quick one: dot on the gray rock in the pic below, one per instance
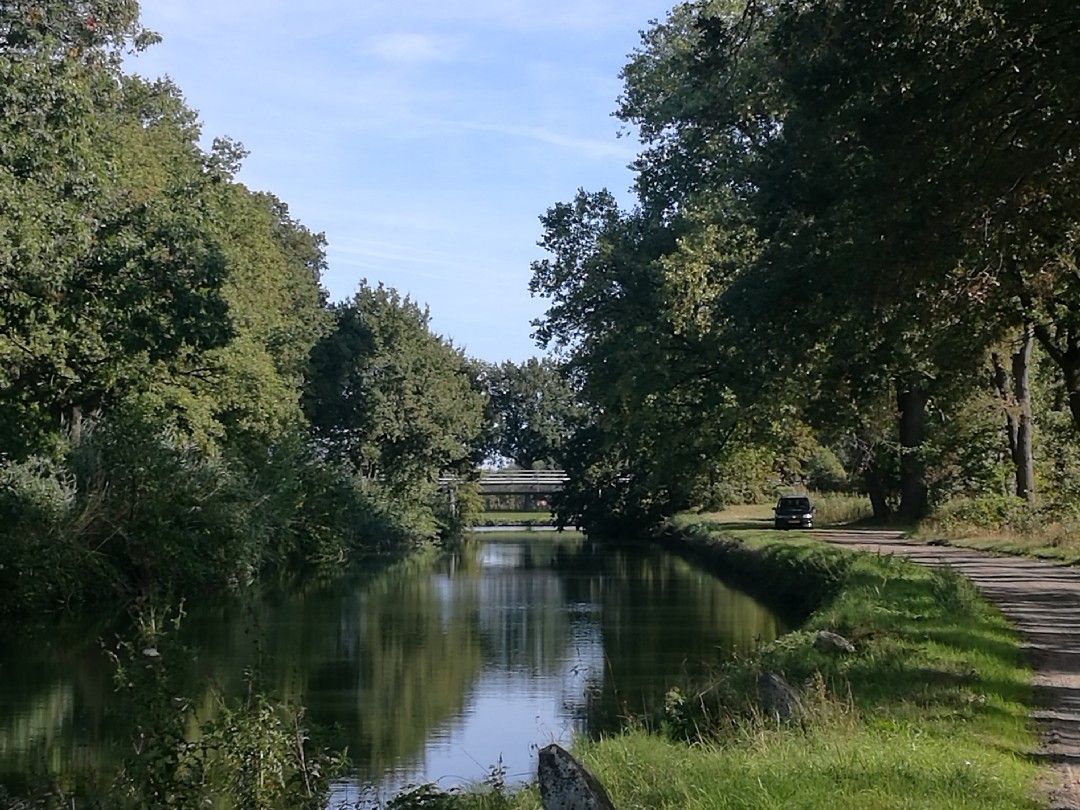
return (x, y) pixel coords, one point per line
(565, 784)
(778, 698)
(827, 642)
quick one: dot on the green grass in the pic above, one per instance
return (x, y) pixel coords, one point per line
(930, 712)
(1054, 543)
(1004, 524)
(1019, 545)
(538, 518)
(830, 509)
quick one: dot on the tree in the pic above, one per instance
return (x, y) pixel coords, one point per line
(650, 376)
(533, 411)
(108, 266)
(848, 148)
(247, 393)
(395, 400)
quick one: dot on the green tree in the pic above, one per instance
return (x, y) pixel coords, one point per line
(247, 393)
(394, 399)
(657, 406)
(533, 410)
(108, 267)
(849, 153)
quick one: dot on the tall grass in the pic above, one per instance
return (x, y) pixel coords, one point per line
(840, 509)
(1006, 524)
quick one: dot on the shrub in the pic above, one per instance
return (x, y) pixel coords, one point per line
(253, 752)
(160, 511)
(40, 563)
(135, 509)
(996, 512)
(824, 472)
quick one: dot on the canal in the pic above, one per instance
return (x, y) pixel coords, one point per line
(434, 669)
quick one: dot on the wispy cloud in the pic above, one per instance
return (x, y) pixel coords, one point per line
(381, 254)
(413, 48)
(424, 137)
(589, 147)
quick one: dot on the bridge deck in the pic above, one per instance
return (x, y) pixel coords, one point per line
(516, 482)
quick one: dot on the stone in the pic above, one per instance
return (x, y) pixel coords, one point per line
(827, 642)
(779, 698)
(565, 784)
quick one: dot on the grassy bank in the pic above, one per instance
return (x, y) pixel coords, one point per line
(1042, 546)
(541, 518)
(930, 711)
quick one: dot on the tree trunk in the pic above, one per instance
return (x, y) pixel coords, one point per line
(1004, 389)
(1023, 457)
(914, 496)
(1016, 401)
(1070, 367)
(75, 425)
(875, 488)
(1064, 349)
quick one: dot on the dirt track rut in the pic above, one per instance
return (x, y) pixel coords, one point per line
(1042, 600)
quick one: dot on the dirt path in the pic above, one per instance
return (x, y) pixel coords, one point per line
(1042, 600)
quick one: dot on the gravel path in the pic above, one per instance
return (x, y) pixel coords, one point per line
(1042, 600)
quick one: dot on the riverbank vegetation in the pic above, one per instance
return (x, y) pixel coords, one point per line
(851, 260)
(181, 409)
(1005, 525)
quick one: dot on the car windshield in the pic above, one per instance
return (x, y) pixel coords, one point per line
(794, 503)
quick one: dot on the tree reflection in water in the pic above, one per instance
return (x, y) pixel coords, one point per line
(429, 670)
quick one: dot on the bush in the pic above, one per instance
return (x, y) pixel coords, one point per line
(315, 510)
(1008, 524)
(134, 510)
(995, 512)
(824, 472)
(160, 511)
(746, 475)
(253, 752)
(40, 562)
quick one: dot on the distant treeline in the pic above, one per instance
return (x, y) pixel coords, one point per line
(180, 407)
(854, 254)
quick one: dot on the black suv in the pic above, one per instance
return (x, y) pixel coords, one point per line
(794, 511)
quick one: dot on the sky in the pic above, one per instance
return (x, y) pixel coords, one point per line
(423, 137)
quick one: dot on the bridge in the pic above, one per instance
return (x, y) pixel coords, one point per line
(516, 482)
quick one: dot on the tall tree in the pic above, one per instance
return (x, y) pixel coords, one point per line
(533, 411)
(394, 399)
(852, 150)
(108, 266)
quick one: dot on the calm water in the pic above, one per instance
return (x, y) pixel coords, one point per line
(430, 670)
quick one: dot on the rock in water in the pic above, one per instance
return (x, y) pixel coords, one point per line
(778, 698)
(565, 784)
(827, 642)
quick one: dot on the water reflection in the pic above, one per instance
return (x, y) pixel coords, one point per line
(428, 670)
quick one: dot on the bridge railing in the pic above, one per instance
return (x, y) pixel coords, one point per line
(515, 482)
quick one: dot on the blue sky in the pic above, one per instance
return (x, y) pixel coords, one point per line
(423, 137)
